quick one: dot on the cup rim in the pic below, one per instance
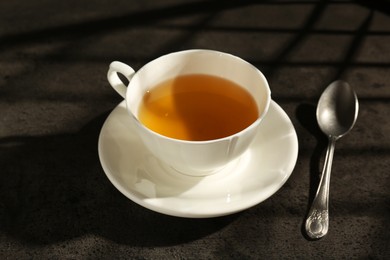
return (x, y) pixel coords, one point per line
(253, 125)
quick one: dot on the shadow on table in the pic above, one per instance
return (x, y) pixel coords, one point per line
(378, 5)
(52, 188)
(306, 114)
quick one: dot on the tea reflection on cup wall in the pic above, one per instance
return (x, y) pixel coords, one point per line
(195, 110)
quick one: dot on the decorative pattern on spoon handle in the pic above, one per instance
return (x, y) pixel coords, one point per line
(317, 223)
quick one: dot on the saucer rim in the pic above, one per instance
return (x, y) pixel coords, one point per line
(215, 212)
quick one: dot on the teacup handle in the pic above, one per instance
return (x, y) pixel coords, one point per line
(112, 76)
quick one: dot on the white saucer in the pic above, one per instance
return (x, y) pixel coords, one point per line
(257, 175)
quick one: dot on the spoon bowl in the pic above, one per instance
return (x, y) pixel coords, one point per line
(337, 112)
(337, 109)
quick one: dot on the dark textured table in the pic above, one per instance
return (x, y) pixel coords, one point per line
(57, 203)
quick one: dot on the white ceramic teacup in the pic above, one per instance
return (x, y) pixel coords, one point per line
(197, 158)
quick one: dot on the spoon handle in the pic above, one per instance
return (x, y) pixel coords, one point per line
(317, 222)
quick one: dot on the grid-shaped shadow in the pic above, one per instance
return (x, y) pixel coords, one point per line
(36, 228)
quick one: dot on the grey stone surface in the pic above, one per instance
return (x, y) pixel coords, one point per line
(57, 203)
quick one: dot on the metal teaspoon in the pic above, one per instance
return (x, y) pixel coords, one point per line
(337, 111)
